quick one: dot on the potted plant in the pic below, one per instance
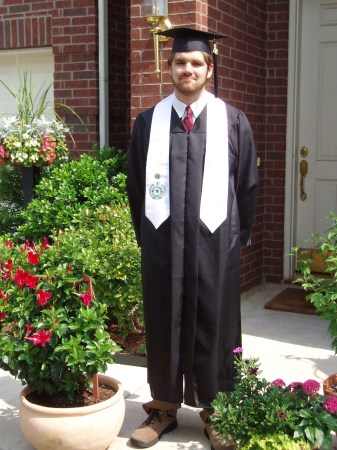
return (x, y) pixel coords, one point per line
(41, 141)
(258, 414)
(36, 135)
(53, 338)
(322, 288)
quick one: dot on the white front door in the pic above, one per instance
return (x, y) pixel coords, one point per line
(314, 140)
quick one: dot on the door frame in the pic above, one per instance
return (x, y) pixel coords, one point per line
(291, 139)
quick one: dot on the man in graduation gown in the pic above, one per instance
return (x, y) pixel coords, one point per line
(192, 184)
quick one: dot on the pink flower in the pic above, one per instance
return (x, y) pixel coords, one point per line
(40, 338)
(42, 297)
(238, 351)
(278, 382)
(295, 384)
(310, 387)
(86, 298)
(282, 415)
(330, 404)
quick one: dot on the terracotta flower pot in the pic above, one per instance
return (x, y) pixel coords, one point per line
(80, 428)
(327, 383)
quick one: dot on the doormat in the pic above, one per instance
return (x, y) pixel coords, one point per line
(291, 300)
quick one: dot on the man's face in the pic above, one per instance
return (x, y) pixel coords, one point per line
(189, 72)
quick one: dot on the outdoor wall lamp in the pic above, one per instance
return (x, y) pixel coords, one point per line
(156, 12)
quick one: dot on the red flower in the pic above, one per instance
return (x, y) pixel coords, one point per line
(9, 244)
(29, 247)
(9, 265)
(42, 297)
(25, 279)
(31, 281)
(33, 258)
(45, 244)
(2, 316)
(30, 329)
(4, 296)
(86, 298)
(40, 338)
(5, 276)
(20, 277)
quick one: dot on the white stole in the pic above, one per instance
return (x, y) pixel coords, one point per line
(213, 207)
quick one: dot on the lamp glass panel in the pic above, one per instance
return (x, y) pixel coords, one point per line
(155, 8)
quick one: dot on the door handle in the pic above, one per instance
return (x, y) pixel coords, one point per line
(303, 173)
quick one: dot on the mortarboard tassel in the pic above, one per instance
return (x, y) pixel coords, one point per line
(215, 68)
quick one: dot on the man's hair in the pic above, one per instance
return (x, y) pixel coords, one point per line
(207, 57)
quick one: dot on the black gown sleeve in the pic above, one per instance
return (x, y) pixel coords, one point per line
(137, 168)
(246, 176)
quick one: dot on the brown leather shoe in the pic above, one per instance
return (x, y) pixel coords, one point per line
(150, 431)
(214, 437)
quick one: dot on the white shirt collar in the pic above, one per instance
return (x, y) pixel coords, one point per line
(196, 107)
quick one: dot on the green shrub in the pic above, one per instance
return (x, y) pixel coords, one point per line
(322, 288)
(83, 206)
(88, 182)
(103, 240)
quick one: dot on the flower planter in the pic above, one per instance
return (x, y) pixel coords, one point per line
(327, 383)
(81, 428)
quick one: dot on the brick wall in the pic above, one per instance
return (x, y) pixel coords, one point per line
(275, 136)
(70, 27)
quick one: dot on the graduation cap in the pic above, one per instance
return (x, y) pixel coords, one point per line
(190, 40)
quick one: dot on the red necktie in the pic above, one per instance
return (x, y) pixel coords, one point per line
(188, 120)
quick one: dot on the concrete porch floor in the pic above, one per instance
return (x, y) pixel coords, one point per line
(291, 346)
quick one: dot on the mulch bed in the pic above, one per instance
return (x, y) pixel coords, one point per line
(133, 344)
(60, 400)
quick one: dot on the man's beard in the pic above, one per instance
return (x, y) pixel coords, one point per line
(188, 89)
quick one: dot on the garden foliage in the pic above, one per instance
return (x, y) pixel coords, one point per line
(256, 410)
(82, 205)
(322, 288)
(53, 327)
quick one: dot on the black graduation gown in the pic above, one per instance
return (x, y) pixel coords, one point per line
(191, 278)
